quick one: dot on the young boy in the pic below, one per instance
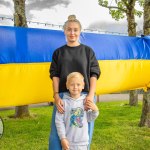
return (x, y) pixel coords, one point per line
(72, 126)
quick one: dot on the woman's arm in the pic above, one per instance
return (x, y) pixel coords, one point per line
(92, 87)
(90, 96)
(94, 75)
(58, 101)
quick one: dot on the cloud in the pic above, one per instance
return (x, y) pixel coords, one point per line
(38, 4)
(115, 27)
(32, 5)
(42, 4)
(109, 26)
(5, 3)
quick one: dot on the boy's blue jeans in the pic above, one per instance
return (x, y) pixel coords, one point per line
(54, 141)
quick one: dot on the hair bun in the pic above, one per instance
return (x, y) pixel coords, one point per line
(71, 17)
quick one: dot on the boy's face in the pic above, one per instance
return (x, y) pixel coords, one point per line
(75, 87)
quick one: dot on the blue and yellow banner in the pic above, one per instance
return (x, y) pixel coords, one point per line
(26, 54)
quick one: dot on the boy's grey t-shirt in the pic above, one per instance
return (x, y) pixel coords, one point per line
(73, 124)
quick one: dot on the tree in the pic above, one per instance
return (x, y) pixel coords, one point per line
(145, 116)
(20, 21)
(126, 8)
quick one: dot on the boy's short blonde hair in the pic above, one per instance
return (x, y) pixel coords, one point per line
(74, 75)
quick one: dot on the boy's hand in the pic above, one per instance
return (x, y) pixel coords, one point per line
(65, 144)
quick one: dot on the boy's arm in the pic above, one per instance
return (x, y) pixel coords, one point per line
(60, 125)
(92, 112)
(92, 115)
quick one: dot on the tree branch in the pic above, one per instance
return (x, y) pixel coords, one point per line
(115, 7)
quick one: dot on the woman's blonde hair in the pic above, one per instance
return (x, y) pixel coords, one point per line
(74, 75)
(72, 18)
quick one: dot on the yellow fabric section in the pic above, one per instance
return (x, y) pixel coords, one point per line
(121, 75)
(22, 84)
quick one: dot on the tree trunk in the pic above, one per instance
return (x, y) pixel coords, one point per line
(133, 95)
(133, 98)
(145, 116)
(20, 21)
(22, 111)
(19, 15)
(146, 26)
(131, 18)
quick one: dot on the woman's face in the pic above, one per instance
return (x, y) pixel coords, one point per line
(72, 32)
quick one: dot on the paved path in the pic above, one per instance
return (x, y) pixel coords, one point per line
(116, 97)
(101, 98)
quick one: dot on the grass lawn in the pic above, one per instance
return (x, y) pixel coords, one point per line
(115, 129)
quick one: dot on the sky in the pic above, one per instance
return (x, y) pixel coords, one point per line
(90, 14)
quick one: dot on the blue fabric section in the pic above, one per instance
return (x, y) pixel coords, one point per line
(111, 47)
(30, 45)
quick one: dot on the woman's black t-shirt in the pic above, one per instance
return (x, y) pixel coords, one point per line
(74, 59)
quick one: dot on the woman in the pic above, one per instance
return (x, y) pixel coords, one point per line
(71, 57)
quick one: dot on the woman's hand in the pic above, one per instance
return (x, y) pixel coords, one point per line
(91, 105)
(88, 99)
(59, 103)
(65, 144)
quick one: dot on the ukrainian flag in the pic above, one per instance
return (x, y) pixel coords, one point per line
(26, 55)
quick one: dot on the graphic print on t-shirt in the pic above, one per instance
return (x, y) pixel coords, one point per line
(76, 117)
